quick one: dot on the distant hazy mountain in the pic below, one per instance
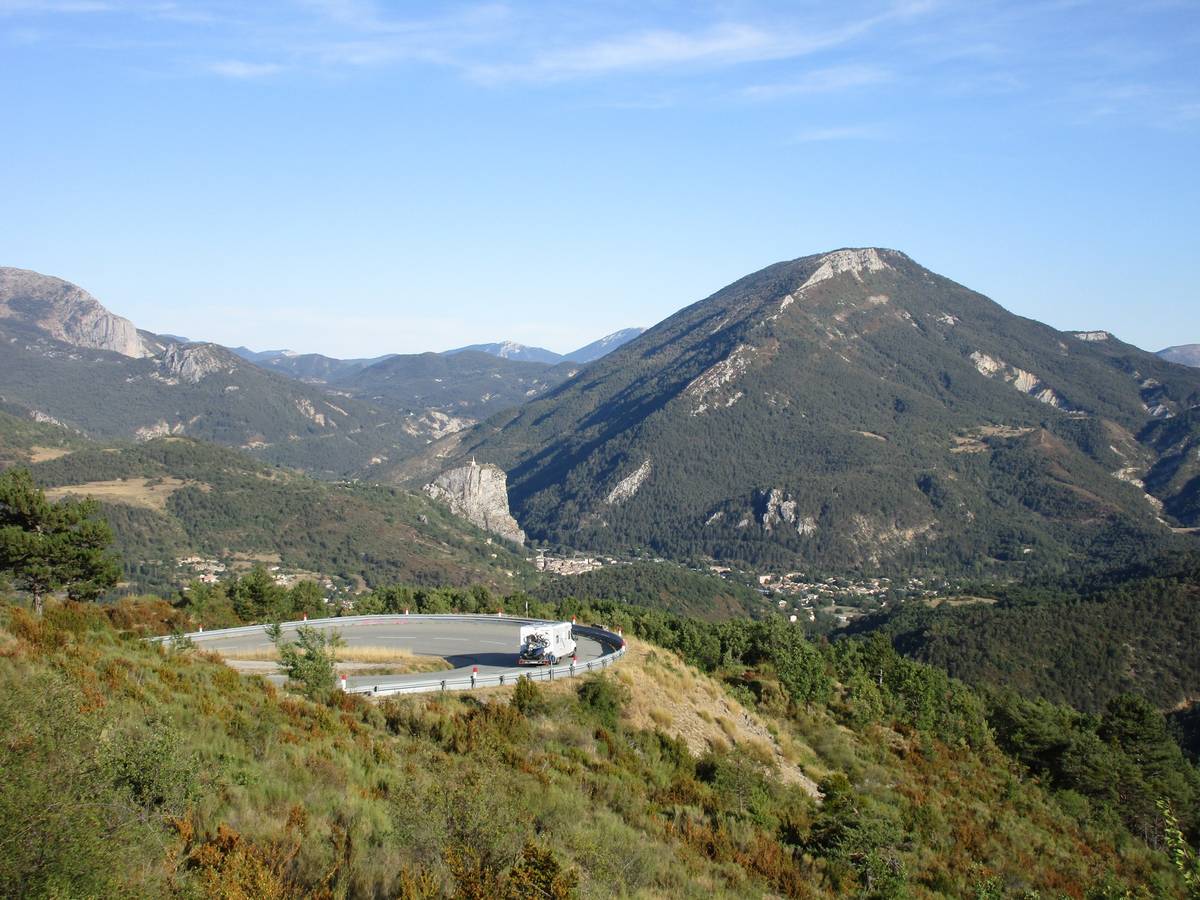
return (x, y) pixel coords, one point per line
(1185, 354)
(452, 391)
(521, 353)
(854, 410)
(511, 350)
(604, 346)
(311, 367)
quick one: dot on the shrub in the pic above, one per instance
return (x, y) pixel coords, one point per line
(604, 699)
(309, 660)
(528, 698)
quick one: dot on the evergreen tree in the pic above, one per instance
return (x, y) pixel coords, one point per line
(47, 547)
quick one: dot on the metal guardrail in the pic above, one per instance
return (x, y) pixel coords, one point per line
(612, 642)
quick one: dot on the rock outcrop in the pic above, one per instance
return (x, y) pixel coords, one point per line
(628, 486)
(67, 313)
(192, 362)
(478, 493)
(778, 508)
(1023, 381)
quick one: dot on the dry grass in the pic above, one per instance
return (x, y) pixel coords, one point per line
(935, 602)
(668, 694)
(395, 660)
(45, 454)
(679, 700)
(148, 493)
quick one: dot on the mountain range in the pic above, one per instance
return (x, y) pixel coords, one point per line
(850, 410)
(854, 410)
(70, 360)
(319, 369)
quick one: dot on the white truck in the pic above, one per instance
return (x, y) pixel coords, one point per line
(545, 644)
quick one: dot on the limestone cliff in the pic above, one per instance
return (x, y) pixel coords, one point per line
(478, 493)
(67, 313)
(192, 362)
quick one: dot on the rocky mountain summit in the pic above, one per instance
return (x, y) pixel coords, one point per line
(850, 409)
(479, 494)
(68, 314)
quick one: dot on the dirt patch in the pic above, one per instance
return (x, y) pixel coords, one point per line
(147, 493)
(244, 562)
(975, 440)
(935, 602)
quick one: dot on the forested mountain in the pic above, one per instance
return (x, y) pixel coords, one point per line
(170, 498)
(1081, 642)
(854, 409)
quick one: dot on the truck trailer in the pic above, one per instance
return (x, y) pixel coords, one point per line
(545, 644)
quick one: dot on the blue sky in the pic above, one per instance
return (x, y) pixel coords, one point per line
(356, 178)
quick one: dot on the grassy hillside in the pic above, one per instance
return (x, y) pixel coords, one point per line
(137, 770)
(174, 497)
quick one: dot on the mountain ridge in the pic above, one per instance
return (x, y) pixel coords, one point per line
(876, 413)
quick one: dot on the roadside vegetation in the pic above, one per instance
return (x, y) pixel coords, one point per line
(718, 759)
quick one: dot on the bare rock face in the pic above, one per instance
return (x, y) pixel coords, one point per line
(778, 508)
(192, 362)
(480, 495)
(67, 313)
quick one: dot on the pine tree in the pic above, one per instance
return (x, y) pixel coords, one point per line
(47, 547)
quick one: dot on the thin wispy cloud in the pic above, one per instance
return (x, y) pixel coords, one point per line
(717, 45)
(821, 81)
(52, 7)
(750, 50)
(240, 69)
(839, 133)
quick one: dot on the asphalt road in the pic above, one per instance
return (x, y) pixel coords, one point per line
(491, 645)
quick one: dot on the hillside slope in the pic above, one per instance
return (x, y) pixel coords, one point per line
(181, 778)
(853, 409)
(172, 498)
